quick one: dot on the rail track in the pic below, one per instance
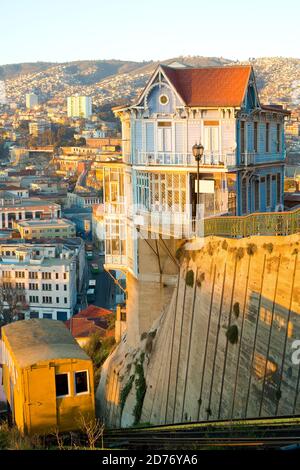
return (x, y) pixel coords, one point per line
(265, 433)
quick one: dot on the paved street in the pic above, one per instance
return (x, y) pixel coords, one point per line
(105, 287)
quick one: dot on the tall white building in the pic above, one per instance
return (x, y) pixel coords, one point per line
(43, 275)
(79, 106)
(32, 100)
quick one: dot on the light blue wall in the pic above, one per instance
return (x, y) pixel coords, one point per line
(154, 104)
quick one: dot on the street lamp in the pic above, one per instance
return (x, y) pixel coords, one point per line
(198, 151)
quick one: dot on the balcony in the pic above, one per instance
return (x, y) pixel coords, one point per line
(254, 158)
(226, 160)
(118, 262)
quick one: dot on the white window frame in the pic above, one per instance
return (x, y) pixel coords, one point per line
(88, 382)
(69, 385)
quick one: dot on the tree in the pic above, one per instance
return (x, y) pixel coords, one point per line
(12, 303)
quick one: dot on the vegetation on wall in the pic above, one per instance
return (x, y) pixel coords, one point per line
(125, 392)
(189, 280)
(236, 309)
(232, 334)
(98, 349)
(141, 387)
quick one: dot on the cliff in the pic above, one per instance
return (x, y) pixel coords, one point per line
(222, 347)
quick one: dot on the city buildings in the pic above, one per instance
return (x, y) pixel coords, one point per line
(38, 127)
(79, 106)
(12, 210)
(45, 228)
(32, 100)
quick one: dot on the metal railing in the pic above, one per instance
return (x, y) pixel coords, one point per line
(263, 223)
(184, 159)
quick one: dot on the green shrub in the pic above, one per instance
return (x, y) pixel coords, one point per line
(189, 280)
(232, 334)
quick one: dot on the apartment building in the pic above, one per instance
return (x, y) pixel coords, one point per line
(43, 275)
(32, 100)
(45, 228)
(79, 106)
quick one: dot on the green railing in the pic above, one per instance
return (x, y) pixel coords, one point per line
(263, 223)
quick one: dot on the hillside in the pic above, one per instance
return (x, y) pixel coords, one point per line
(115, 81)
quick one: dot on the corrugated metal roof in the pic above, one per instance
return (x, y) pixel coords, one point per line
(37, 340)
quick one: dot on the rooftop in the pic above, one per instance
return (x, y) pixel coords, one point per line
(211, 86)
(45, 223)
(37, 340)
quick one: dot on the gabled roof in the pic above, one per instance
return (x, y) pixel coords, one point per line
(210, 86)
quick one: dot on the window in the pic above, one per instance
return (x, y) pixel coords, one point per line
(47, 300)
(62, 316)
(33, 286)
(278, 138)
(163, 99)
(20, 274)
(65, 287)
(47, 315)
(256, 195)
(65, 275)
(255, 137)
(81, 382)
(34, 315)
(33, 299)
(20, 285)
(267, 137)
(57, 286)
(62, 385)
(46, 286)
(244, 196)
(56, 276)
(278, 195)
(65, 300)
(243, 135)
(33, 275)
(268, 195)
(46, 275)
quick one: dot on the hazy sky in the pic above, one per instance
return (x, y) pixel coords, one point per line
(64, 30)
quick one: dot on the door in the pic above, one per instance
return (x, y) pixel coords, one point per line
(41, 400)
(164, 141)
(211, 142)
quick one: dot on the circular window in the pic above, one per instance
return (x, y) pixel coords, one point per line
(163, 99)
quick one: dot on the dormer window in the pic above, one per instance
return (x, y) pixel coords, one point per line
(163, 99)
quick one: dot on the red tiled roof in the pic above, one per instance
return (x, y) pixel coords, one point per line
(211, 86)
(82, 327)
(92, 311)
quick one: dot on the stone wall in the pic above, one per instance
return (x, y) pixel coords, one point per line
(222, 347)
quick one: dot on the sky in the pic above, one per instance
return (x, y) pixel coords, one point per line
(66, 30)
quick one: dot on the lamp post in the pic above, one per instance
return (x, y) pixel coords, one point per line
(198, 151)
